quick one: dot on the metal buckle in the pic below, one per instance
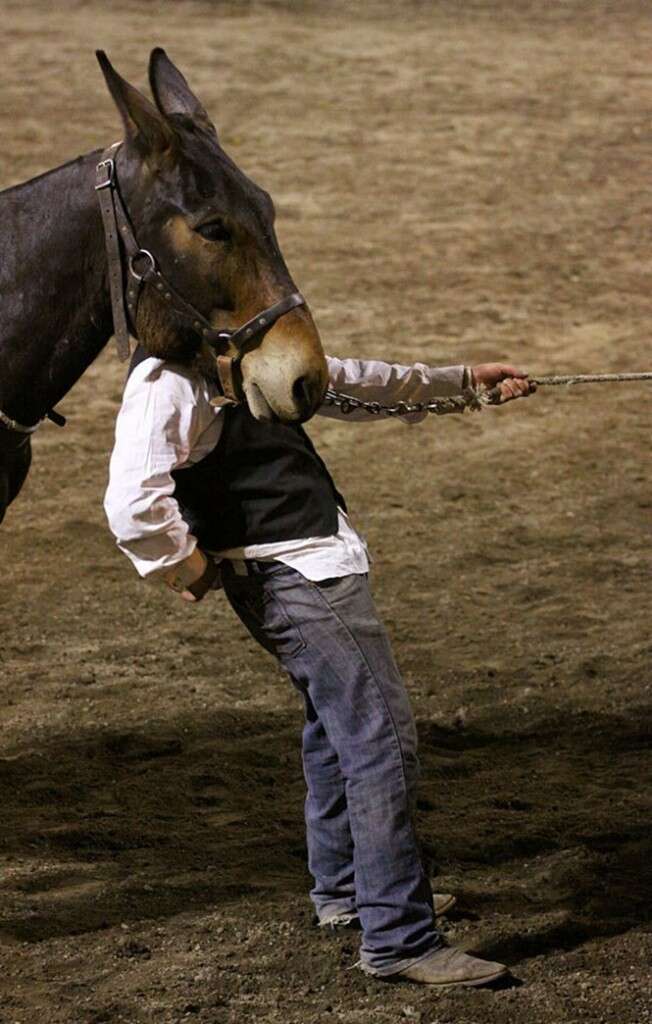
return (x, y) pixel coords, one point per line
(223, 335)
(109, 163)
(142, 253)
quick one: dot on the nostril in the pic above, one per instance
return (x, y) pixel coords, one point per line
(301, 391)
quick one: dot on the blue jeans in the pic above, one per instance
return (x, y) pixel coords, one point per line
(359, 754)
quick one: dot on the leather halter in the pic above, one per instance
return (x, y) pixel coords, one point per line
(14, 427)
(123, 251)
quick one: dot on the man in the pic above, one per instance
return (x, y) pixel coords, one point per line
(192, 485)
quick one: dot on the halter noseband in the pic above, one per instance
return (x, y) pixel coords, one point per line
(142, 268)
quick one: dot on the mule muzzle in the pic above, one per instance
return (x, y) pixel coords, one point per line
(277, 366)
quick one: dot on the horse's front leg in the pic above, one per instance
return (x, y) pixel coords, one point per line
(15, 460)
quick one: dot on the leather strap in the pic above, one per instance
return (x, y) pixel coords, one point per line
(261, 322)
(225, 368)
(21, 428)
(105, 186)
(141, 268)
(15, 426)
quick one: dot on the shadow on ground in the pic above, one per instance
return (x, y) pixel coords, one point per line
(546, 823)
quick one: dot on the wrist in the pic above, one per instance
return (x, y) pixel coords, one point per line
(186, 572)
(210, 579)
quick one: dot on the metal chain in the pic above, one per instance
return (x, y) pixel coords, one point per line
(468, 399)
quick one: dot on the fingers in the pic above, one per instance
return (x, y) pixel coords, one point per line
(515, 387)
(491, 374)
(510, 389)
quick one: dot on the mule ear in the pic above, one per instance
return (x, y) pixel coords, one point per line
(143, 123)
(171, 92)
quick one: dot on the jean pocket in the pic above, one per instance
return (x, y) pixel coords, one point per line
(337, 589)
(267, 619)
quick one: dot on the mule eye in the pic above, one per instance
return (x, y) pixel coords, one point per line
(215, 231)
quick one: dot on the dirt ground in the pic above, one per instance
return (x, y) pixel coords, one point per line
(454, 182)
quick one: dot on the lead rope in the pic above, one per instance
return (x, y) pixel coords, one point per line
(470, 398)
(590, 378)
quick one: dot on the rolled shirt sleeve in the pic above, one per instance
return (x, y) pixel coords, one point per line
(162, 425)
(372, 380)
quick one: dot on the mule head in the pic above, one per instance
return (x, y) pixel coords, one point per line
(211, 230)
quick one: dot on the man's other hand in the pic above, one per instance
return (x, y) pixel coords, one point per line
(509, 382)
(194, 577)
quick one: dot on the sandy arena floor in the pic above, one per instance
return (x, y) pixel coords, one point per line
(454, 182)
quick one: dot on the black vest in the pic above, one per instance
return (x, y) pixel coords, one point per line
(263, 482)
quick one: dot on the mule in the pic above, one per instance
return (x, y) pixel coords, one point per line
(203, 224)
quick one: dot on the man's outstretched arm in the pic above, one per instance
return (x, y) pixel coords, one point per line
(373, 380)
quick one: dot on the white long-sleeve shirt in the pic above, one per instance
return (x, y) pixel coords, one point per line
(166, 423)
